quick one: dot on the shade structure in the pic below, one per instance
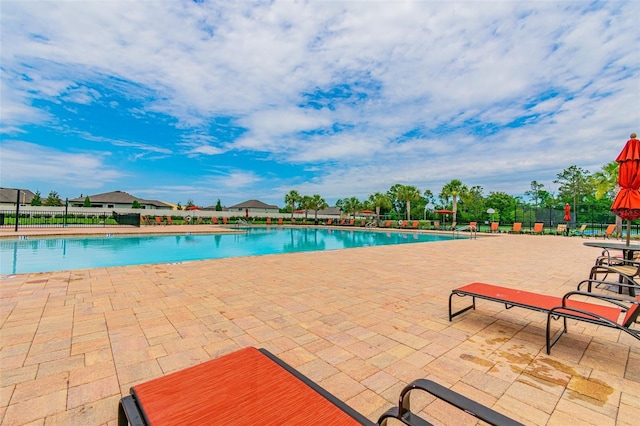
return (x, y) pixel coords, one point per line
(627, 202)
(443, 211)
(367, 212)
(567, 213)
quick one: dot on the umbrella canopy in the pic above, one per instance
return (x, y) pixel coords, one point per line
(193, 208)
(443, 211)
(367, 212)
(567, 213)
(627, 202)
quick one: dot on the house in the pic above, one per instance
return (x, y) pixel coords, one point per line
(118, 199)
(254, 206)
(9, 196)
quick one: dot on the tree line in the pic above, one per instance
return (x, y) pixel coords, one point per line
(576, 186)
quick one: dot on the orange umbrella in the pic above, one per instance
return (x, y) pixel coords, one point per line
(627, 202)
(567, 213)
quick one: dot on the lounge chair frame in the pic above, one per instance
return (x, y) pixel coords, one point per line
(557, 307)
(403, 411)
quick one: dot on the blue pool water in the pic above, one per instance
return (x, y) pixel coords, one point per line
(55, 254)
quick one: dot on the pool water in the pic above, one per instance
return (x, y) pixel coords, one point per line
(55, 254)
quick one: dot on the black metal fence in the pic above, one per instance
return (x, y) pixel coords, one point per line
(58, 219)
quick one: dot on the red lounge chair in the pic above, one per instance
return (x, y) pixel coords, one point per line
(169, 221)
(609, 231)
(280, 221)
(517, 228)
(158, 220)
(214, 220)
(225, 220)
(557, 307)
(268, 221)
(254, 387)
(538, 228)
(495, 227)
(415, 224)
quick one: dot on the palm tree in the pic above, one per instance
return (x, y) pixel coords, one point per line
(291, 199)
(351, 205)
(453, 189)
(305, 204)
(317, 203)
(379, 200)
(408, 193)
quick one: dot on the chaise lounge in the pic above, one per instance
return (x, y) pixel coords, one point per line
(253, 386)
(557, 307)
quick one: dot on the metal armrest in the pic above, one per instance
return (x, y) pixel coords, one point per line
(404, 414)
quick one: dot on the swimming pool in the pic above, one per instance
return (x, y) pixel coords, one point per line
(55, 254)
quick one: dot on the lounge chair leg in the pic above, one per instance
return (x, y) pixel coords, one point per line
(463, 310)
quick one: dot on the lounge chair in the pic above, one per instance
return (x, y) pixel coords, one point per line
(404, 223)
(225, 220)
(557, 307)
(581, 231)
(169, 221)
(436, 224)
(329, 222)
(214, 220)
(517, 228)
(538, 228)
(561, 229)
(609, 231)
(387, 224)
(253, 386)
(415, 224)
(627, 271)
(159, 220)
(473, 226)
(495, 227)
(280, 221)
(268, 221)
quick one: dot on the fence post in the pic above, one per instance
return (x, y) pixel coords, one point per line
(17, 210)
(66, 211)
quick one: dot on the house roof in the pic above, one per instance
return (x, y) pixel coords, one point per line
(253, 204)
(10, 195)
(118, 197)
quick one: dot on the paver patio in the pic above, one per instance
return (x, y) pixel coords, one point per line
(360, 322)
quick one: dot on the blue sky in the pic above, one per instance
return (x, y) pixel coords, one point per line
(238, 100)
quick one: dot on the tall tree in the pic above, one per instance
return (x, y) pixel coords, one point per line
(379, 201)
(575, 183)
(306, 204)
(535, 193)
(351, 205)
(53, 199)
(218, 205)
(472, 199)
(407, 194)
(292, 198)
(317, 203)
(453, 190)
(37, 199)
(87, 202)
(606, 184)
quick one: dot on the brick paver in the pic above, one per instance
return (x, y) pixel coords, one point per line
(360, 322)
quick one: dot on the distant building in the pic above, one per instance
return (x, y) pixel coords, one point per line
(118, 199)
(9, 196)
(254, 206)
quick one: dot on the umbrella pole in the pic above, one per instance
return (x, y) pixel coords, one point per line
(628, 231)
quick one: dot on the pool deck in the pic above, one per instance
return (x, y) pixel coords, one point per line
(360, 322)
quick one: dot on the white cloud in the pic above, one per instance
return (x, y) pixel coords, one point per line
(451, 71)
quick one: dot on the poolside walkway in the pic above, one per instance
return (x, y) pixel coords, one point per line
(360, 322)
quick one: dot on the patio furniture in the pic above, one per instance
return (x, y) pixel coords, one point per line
(538, 228)
(557, 307)
(581, 231)
(253, 386)
(626, 267)
(517, 228)
(561, 229)
(250, 386)
(403, 411)
(495, 227)
(609, 231)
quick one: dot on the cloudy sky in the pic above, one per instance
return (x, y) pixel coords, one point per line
(237, 100)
